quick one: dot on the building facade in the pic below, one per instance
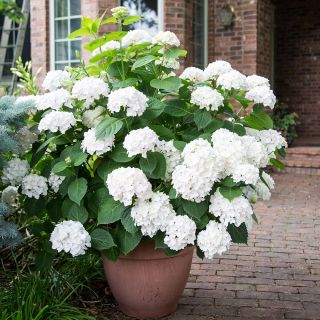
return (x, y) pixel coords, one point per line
(279, 39)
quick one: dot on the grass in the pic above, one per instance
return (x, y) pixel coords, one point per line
(34, 295)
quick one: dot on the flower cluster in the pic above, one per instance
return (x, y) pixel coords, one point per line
(153, 214)
(91, 118)
(57, 121)
(54, 100)
(54, 182)
(135, 37)
(33, 186)
(92, 145)
(15, 171)
(70, 236)
(216, 69)
(140, 141)
(166, 38)
(110, 45)
(193, 74)
(131, 99)
(126, 183)
(207, 98)
(55, 80)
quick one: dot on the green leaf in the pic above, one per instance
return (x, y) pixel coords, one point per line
(106, 167)
(120, 154)
(84, 31)
(119, 69)
(259, 121)
(202, 118)
(127, 241)
(108, 127)
(174, 53)
(78, 158)
(112, 253)
(128, 222)
(278, 164)
(37, 154)
(54, 209)
(179, 144)
(130, 20)
(109, 20)
(237, 128)
(238, 234)
(142, 61)
(195, 210)
(43, 260)
(154, 109)
(228, 182)
(172, 193)
(77, 190)
(214, 125)
(101, 239)
(154, 166)
(168, 84)
(162, 132)
(254, 217)
(125, 83)
(230, 193)
(176, 108)
(59, 167)
(242, 100)
(110, 211)
(77, 213)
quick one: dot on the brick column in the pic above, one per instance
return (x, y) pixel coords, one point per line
(40, 34)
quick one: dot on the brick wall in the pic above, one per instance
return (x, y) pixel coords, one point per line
(237, 44)
(298, 60)
(40, 34)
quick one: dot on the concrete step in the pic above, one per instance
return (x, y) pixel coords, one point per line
(303, 157)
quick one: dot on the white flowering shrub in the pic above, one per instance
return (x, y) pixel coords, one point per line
(128, 151)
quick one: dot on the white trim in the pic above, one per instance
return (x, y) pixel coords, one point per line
(160, 15)
(52, 35)
(206, 27)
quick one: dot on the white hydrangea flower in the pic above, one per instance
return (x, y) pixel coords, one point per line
(207, 98)
(236, 211)
(193, 74)
(120, 12)
(25, 137)
(216, 68)
(254, 81)
(9, 195)
(57, 121)
(131, 99)
(215, 239)
(135, 37)
(260, 190)
(166, 38)
(270, 139)
(54, 182)
(232, 80)
(71, 237)
(194, 178)
(140, 141)
(256, 153)
(153, 215)
(180, 231)
(55, 79)
(91, 118)
(125, 183)
(14, 171)
(263, 95)
(90, 89)
(33, 186)
(92, 145)
(228, 151)
(54, 100)
(170, 63)
(27, 99)
(171, 154)
(246, 173)
(110, 45)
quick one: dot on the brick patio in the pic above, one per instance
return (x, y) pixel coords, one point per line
(277, 276)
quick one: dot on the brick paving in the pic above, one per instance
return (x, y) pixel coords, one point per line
(277, 276)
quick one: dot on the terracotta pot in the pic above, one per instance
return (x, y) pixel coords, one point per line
(147, 283)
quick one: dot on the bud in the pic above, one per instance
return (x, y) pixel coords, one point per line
(120, 12)
(68, 161)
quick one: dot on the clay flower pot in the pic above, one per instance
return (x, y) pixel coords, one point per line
(147, 283)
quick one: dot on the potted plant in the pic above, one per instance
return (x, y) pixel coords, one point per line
(143, 165)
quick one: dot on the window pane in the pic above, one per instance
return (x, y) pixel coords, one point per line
(148, 10)
(60, 8)
(61, 29)
(61, 51)
(60, 66)
(198, 30)
(75, 7)
(75, 46)
(75, 24)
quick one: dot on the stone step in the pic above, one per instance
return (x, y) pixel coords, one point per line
(303, 157)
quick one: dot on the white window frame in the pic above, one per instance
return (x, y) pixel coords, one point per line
(52, 39)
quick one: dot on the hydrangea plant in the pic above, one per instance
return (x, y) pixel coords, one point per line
(129, 151)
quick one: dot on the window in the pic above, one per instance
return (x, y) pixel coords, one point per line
(151, 12)
(200, 32)
(65, 18)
